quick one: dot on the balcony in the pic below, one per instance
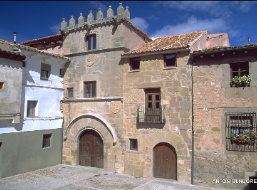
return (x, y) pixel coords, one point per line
(151, 115)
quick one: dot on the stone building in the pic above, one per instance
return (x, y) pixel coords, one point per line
(127, 98)
(31, 120)
(223, 111)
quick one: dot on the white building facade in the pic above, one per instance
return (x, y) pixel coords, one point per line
(34, 142)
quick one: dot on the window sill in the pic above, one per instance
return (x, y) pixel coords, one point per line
(45, 79)
(168, 68)
(134, 71)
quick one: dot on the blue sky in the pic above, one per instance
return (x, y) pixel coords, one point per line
(36, 19)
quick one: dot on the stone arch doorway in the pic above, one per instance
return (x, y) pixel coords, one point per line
(165, 161)
(91, 149)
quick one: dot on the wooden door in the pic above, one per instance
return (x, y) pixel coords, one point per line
(91, 149)
(165, 161)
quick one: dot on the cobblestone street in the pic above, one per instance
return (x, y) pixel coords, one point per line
(78, 177)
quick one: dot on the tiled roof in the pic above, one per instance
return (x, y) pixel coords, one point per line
(33, 49)
(53, 37)
(12, 55)
(168, 42)
(225, 48)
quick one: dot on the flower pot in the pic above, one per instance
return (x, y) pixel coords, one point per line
(232, 141)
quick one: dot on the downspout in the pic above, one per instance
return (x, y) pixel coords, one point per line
(193, 133)
(62, 140)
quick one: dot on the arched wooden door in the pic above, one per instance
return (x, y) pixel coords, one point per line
(165, 161)
(91, 149)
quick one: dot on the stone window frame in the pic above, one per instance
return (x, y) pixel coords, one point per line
(47, 138)
(242, 92)
(35, 108)
(91, 89)
(91, 36)
(235, 110)
(165, 61)
(240, 66)
(129, 144)
(132, 64)
(69, 90)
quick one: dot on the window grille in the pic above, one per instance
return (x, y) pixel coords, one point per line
(240, 131)
(46, 140)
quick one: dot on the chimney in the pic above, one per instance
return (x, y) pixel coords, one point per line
(15, 35)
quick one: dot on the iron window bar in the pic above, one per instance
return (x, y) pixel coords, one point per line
(151, 115)
(240, 131)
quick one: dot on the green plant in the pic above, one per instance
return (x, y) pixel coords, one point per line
(233, 136)
(241, 80)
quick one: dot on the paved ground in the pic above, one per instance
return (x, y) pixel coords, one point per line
(78, 177)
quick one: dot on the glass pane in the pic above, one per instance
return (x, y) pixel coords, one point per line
(89, 43)
(157, 105)
(71, 92)
(93, 89)
(133, 144)
(170, 60)
(94, 42)
(87, 89)
(135, 63)
(149, 104)
(149, 97)
(157, 97)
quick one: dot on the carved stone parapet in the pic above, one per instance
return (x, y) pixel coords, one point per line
(110, 12)
(99, 15)
(72, 22)
(81, 20)
(90, 17)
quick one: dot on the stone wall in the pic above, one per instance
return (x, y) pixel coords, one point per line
(11, 77)
(176, 95)
(212, 97)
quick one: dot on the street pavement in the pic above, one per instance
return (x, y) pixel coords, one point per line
(79, 177)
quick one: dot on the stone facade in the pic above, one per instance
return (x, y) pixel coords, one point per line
(212, 98)
(176, 95)
(103, 65)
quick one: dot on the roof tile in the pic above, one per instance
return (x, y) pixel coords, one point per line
(168, 42)
(33, 49)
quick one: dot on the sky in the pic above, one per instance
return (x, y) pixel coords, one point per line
(37, 19)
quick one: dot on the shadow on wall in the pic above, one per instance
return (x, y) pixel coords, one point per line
(252, 185)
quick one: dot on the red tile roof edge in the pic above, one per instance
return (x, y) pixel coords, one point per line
(33, 49)
(202, 32)
(225, 48)
(12, 55)
(56, 36)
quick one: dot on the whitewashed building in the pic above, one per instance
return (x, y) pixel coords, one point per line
(34, 141)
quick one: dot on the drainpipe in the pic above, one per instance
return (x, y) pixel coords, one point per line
(193, 133)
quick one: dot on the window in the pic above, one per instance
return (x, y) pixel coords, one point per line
(91, 42)
(133, 144)
(240, 130)
(24, 64)
(170, 60)
(61, 72)
(1, 85)
(135, 63)
(0, 145)
(239, 69)
(90, 89)
(46, 140)
(31, 108)
(70, 92)
(153, 104)
(45, 71)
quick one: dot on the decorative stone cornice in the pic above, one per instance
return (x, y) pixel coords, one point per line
(97, 51)
(103, 99)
